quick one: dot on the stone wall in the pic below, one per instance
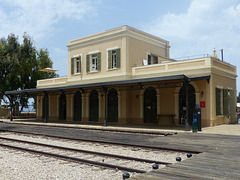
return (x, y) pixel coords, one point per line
(4, 112)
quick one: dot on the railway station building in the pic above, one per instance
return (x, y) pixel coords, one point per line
(126, 76)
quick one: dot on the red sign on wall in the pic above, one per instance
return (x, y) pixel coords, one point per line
(202, 104)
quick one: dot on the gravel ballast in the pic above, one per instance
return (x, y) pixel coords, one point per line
(21, 165)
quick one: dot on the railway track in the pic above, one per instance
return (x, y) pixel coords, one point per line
(113, 143)
(98, 129)
(58, 152)
(105, 160)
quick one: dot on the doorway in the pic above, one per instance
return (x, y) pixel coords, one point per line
(182, 104)
(77, 112)
(112, 105)
(45, 106)
(94, 106)
(63, 107)
(150, 105)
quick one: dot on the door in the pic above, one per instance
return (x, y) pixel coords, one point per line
(182, 104)
(77, 113)
(93, 112)
(62, 107)
(45, 106)
(150, 105)
(112, 106)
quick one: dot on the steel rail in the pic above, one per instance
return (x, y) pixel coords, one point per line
(88, 152)
(73, 159)
(113, 143)
(96, 129)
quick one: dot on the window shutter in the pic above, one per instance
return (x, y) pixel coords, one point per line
(88, 63)
(72, 65)
(225, 102)
(99, 61)
(232, 103)
(149, 60)
(80, 64)
(218, 112)
(118, 58)
(110, 59)
(155, 60)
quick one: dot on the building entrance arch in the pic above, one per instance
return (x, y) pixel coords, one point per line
(182, 104)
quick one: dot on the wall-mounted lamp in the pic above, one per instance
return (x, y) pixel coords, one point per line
(202, 94)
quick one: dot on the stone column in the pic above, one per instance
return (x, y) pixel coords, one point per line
(69, 107)
(72, 107)
(87, 106)
(141, 110)
(176, 107)
(158, 102)
(100, 107)
(39, 107)
(57, 103)
(83, 106)
(119, 105)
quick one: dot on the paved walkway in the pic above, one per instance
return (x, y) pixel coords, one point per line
(232, 129)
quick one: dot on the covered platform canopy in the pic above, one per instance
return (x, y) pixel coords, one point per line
(160, 81)
(123, 85)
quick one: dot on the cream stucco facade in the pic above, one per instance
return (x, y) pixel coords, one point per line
(127, 56)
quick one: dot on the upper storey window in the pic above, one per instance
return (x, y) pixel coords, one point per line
(152, 59)
(76, 65)
(93, 62)
(114, 59)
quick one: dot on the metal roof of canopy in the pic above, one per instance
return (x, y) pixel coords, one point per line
(111, 83)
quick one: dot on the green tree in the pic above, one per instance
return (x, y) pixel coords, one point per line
(20, 65)
(9, 49)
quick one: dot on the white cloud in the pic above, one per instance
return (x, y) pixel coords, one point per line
(38, 17)
(207, 24)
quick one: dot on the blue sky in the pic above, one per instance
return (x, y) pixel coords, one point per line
(193, 27)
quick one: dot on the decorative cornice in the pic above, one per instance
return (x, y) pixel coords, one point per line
(125, 31)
